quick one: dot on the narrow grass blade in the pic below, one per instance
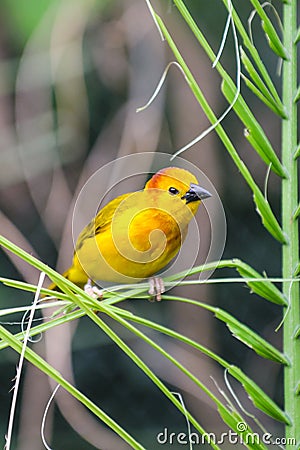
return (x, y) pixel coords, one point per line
(63, 283)
(250, 136)
(241, 332)
(259, 398)
(273, 38)
(270, 104)
(42, 365)
(297, 212)
(297, 152)
(262, 91)
(43, 327)
(251, 339)
(265, 289)
(297, 271)
(297, 38)
(238, 424)
(263, 147)
(297, 332)
(268, 218)
(297, 96)
(32, 288)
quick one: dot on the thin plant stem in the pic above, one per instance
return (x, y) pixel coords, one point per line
(290, 253)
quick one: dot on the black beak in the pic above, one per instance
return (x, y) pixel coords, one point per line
(195, 193)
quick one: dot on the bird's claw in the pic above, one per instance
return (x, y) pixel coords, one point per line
(92, 291)
(156, 288)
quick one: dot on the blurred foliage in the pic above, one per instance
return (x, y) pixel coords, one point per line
(23, 17)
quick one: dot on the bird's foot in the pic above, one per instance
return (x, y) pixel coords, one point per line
(92, 291)
(156, 288)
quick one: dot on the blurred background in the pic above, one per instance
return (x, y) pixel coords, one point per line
(72, 74)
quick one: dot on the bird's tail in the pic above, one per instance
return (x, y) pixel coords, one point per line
(75, 274)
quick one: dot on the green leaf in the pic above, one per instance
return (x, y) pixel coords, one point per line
(297, 332)
(41, 328)
(268, 218)
(261, 400)
(297, 152)
(240, 427)
(297, 270)
(250, 338)
(264, 288)
(297, 96)
(270, 104)
(250, 136)
(262, 92)
(275, 45)
(273, 39)
(297, 212)
(263, 147)
(297, 38)
(32, 288)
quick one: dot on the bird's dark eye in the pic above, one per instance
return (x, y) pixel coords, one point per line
(173, 191)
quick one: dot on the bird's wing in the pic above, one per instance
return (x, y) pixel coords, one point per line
(99, 223)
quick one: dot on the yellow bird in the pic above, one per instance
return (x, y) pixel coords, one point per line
(137, 234)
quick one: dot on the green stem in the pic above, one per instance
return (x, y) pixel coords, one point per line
(290, 253)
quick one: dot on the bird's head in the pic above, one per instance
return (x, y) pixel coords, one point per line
(181, 184)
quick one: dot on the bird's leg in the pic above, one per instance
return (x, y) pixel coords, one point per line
(92, 291)
(156, 288)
